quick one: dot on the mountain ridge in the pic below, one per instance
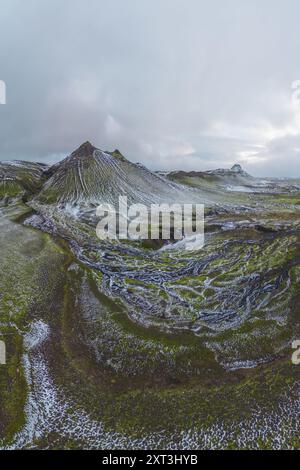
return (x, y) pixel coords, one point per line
(90, 175)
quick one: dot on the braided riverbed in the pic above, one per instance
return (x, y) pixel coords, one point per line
(115, 345)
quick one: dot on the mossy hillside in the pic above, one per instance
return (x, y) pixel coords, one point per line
(10, 189)
(31, 269)
(20, 179)
(137, 407)
(241, 273)
(13, 386)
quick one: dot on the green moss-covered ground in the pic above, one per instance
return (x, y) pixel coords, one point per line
(152, 345)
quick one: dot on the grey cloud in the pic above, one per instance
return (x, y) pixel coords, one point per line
(192, 84)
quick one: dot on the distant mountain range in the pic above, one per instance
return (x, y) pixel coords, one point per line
(89, 176)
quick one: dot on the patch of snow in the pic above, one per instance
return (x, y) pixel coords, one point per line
(239, 189)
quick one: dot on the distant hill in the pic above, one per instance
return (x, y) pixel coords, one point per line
(19, 179)
(225, 178)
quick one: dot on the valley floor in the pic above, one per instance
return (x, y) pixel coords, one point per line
(126, 348)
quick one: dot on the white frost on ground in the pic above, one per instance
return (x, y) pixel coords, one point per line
(38, 334)
(48, 410)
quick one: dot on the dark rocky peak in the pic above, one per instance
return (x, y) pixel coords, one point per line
(237, 168)
(82, 154)
(117, 154)
(85, 150)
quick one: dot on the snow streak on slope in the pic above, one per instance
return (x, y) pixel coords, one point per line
(90, 176)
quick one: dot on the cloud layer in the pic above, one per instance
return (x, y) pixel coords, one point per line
(186, 84)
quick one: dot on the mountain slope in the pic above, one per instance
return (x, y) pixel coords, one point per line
(90, 176)
(19, 178)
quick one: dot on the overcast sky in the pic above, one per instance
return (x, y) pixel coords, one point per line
(185, 84)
